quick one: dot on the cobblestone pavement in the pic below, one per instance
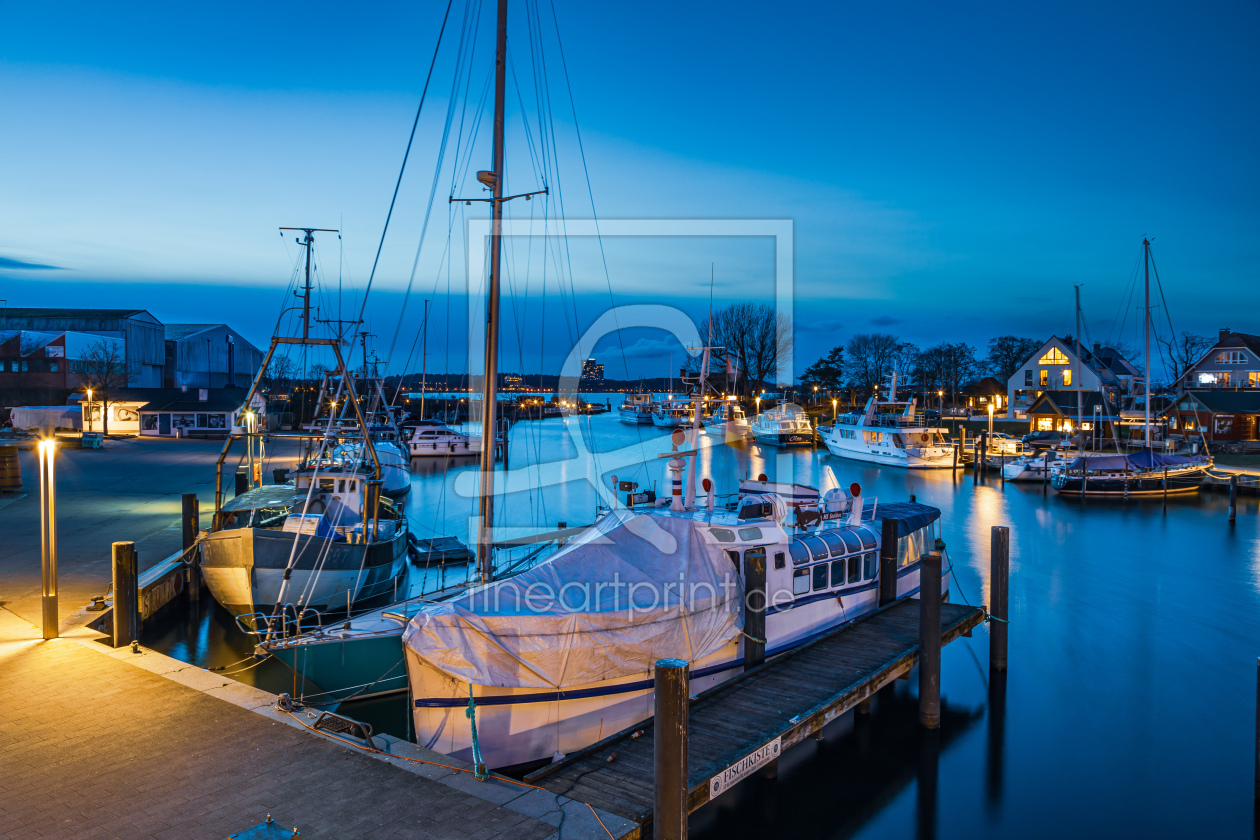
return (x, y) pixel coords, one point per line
(93, 747)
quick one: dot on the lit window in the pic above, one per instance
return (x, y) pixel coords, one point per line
(1067, 377)
(1231, 357)
(1045, 378)
(1207, 378)
(1054, 356)
(1253, 378)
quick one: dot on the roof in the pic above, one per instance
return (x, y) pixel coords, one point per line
(1115, 362)
(178, 332)
(1064, 403)
(1226, 400)
(59, 312)
(177, 399)
(984, 387)
(910, 516)
(1251, 342)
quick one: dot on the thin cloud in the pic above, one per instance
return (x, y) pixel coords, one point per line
(885, 321)
(9, 262)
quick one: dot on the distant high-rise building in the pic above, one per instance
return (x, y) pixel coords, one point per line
(592, 372)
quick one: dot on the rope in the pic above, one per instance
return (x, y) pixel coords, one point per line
(509, 781)
(988, 616)
(471, 714)
(752, 638)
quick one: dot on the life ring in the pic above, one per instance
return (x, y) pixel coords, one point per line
(925, 437)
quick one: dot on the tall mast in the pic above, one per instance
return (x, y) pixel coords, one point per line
(306, 289)
(489, 391)
(1080, 361)
(424, 356)
(1146, 329)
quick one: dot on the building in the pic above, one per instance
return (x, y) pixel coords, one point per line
(142, 334)
(1233, 362)
(1056, 411)
(1217, 415)
(1055, 366)
(592, 372)
(208, 356)
(195, 412)
(979, 394)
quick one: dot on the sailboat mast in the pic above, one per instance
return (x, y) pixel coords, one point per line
(1146, 329)
(489, 391)
(306, 289)
(424, 356)
(1080, 361)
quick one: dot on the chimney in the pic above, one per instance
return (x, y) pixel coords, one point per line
(1224, 334)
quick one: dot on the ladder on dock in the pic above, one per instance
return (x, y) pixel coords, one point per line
(758, 714)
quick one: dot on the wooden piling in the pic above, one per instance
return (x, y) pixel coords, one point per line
(930, 640)
(1045, 472)
(1233, 496)
(126, 594)
(191, 522)
(956, 447)
(669, 816)
(999, 584)
(754, 608)
(1165, 489)
(888, 561)
(1258, 737)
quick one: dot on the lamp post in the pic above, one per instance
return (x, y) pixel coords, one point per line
(815, 396)
(834, 411)
(48, 534)
(89, 392)
(990, 421)
(940, 402)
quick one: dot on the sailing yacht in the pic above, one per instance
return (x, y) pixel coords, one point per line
(889, 432)
(786, 424)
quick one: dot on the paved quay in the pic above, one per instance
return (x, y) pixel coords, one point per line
(98, 744)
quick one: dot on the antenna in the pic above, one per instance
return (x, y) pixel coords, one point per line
(307, 241)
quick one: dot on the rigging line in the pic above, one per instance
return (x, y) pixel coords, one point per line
(397, 184)
(590, 191)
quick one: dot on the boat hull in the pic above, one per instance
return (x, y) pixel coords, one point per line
(785, 439)
(1144, 484)
(635, 418)
(244, 568)
(424, 449)
(927, 458)
(357, 666)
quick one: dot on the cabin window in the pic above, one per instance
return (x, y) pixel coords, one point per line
(800, 554)
(868, 566)
(722, 534)
(800, 581)
(750, 534)
(734, 555)
(820, 576)
(326, 485)
(341, 486)
(779, 560)
(837, 572)
(352, 485)
(855, 569)
(1067, 377)
(834, 542)
(816, 547)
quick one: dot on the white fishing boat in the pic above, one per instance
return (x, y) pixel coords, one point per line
(636, 409)
(786, 424)
(432, 440)
(891, 433)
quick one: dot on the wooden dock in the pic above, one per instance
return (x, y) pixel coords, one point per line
(744, 724)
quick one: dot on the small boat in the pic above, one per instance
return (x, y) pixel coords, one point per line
(730, 421)
(889, 432)
(1145, 473)
(430, 440)
(669, 414)
(1034, 466)
(636, 409)
(786, 424)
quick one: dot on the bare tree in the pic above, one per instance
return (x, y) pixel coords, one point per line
(754, 336)
(103, 368)
(280, 372)
(1183, 351)
(1007, 353)
(870, 358)
(951, 366)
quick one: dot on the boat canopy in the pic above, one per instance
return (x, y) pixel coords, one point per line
(910, 516)
(1142, 461)
(605, 606)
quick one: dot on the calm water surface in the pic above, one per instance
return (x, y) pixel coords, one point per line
(1128, 710)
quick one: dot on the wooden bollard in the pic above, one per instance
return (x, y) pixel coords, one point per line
(930, 640)
(1045, 472)
(956, 448)
(1233, 496)
(754, 608)
(999, 585)
(888, 561)
(1258, 733)
(191, 522)
(126, 594)
(669, 815)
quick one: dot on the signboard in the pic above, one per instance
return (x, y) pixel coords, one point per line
(726, 779)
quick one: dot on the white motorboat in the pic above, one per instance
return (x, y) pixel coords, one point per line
(730, 421)
(786, 424)
(636, 409)
(891, 433)
(562, 655)
(1034, 466)
(669, 414)
(433, 440)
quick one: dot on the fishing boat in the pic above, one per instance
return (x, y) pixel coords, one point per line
(889, 432)
(669, 414)
(729, 420)
(636, 409)
(786, 424)
(1146, 472)
(332, 537)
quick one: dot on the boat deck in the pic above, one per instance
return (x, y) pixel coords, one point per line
(786, 700)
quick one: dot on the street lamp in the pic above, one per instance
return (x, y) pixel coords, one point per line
(990, 424)
(48, 534)
(940, 402)
(834, 410)
(89, 392)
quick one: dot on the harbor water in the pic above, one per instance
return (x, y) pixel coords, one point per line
(1128, 708)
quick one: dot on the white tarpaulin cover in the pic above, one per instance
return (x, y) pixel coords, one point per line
(605, 606)
(46, 416)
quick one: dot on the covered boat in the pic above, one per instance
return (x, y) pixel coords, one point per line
(1144, 473)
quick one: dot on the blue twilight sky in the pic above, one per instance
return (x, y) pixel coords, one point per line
(950, 172)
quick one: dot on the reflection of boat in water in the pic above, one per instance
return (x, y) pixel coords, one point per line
(784, 425)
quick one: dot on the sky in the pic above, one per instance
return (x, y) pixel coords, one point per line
(949, 173)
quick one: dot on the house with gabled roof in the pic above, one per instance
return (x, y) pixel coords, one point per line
(1233, 362)
(1060, 365)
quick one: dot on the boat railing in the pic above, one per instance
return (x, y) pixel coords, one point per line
(287, 622)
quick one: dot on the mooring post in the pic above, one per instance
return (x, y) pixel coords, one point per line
(1165, 489)
(754, 608)
(669, 816)
(126, 594)
(1233, 496)
(1258, 737)
(192, 515)
(999, 584)
(888, 561)
(955, 467)
(242, 481)
(930, 640)
(1045, 472)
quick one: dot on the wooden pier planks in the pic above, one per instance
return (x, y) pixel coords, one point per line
(790, 697)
